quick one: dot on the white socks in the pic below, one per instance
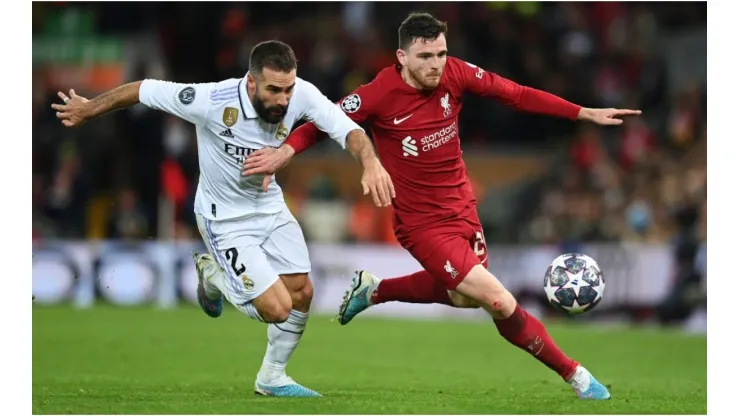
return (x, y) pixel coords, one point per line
(581, 379)
(282, 340)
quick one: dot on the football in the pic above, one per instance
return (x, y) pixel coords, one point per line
(574, 283)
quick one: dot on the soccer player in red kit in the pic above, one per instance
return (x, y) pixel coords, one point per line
(413, 108)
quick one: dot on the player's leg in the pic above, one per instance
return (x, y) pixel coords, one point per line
(285, 249)
(367, 290)
(251, 286)
(522, 329)
(238, 270)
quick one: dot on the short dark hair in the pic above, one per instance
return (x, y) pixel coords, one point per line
(419, 26)
(272, 54)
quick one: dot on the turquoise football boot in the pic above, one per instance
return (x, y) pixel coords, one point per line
(357, 298)
(285, 387)
(587, 387)
(211, 307)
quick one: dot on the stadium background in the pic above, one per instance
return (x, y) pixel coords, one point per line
(112, 201)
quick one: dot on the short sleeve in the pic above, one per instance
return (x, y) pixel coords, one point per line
(190, 102)
(328, 116)
(359, 106)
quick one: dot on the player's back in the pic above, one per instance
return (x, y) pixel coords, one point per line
(417, 138)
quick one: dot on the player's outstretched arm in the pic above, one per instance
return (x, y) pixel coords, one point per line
(77, 110)
(187, 101)
(487, 84)
(606, 116)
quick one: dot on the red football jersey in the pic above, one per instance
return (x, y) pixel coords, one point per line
(416, 135)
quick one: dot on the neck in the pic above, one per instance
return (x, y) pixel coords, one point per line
(407, 78)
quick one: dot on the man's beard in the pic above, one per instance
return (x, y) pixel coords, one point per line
(273, 114)
(426, 83)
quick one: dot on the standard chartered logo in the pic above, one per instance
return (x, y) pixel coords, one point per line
(429, 142)
(409, 147)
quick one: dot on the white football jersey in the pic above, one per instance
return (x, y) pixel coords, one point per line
(228, 130)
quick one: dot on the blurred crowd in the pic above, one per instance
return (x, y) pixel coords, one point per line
(133, 174)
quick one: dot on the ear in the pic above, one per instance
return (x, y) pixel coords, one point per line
(251, 83)
(401, 56)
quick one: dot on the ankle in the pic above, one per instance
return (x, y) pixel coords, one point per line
(572, 373)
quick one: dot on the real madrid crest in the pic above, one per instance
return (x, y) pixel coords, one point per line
(248, 283)
(230, 116)
(282, 132)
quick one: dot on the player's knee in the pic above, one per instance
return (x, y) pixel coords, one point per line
(461, 301)
(276, 312)
(301, 290)
(304, 295)
(502, 303)
(487, 291)
(275, 304)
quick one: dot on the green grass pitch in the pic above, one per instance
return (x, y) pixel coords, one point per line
(140, 360)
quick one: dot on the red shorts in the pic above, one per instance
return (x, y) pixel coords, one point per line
(448, 250)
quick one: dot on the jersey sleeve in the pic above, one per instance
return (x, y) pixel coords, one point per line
(327, 116)
(471, 78)
(190, 102)
(357, 106)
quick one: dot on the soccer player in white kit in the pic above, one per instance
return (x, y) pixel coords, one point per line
(258, 257)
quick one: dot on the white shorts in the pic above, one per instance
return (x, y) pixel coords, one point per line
(254, 250)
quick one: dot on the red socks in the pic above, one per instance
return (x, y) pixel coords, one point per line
(521, 329)
(419, 287)
(527, 332)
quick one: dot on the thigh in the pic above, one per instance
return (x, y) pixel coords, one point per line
(477, 239)
(246, 267)
(447, 253)
(285, 246)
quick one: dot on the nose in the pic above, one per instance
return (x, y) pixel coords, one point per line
(282, 99)
(436, 64)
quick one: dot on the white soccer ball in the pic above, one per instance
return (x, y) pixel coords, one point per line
(574, 283)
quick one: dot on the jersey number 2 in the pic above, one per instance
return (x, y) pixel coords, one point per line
(232, 255)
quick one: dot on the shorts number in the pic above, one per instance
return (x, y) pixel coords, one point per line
(232, 255)
(480, 244)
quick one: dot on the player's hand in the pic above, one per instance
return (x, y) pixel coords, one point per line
(606, 116)
(377, 182)
(267, 161)
(74, 112)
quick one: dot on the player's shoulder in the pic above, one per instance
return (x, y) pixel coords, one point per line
(378, 87)
(225, 91)
(305, 89)
(306, 94)
(457, 66)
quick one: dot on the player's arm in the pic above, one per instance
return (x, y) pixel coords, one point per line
(488, 84)
(339, 121)
(334, 121)
(187, 101)
(357, 106)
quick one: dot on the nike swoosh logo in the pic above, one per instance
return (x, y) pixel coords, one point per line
(397, 121)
